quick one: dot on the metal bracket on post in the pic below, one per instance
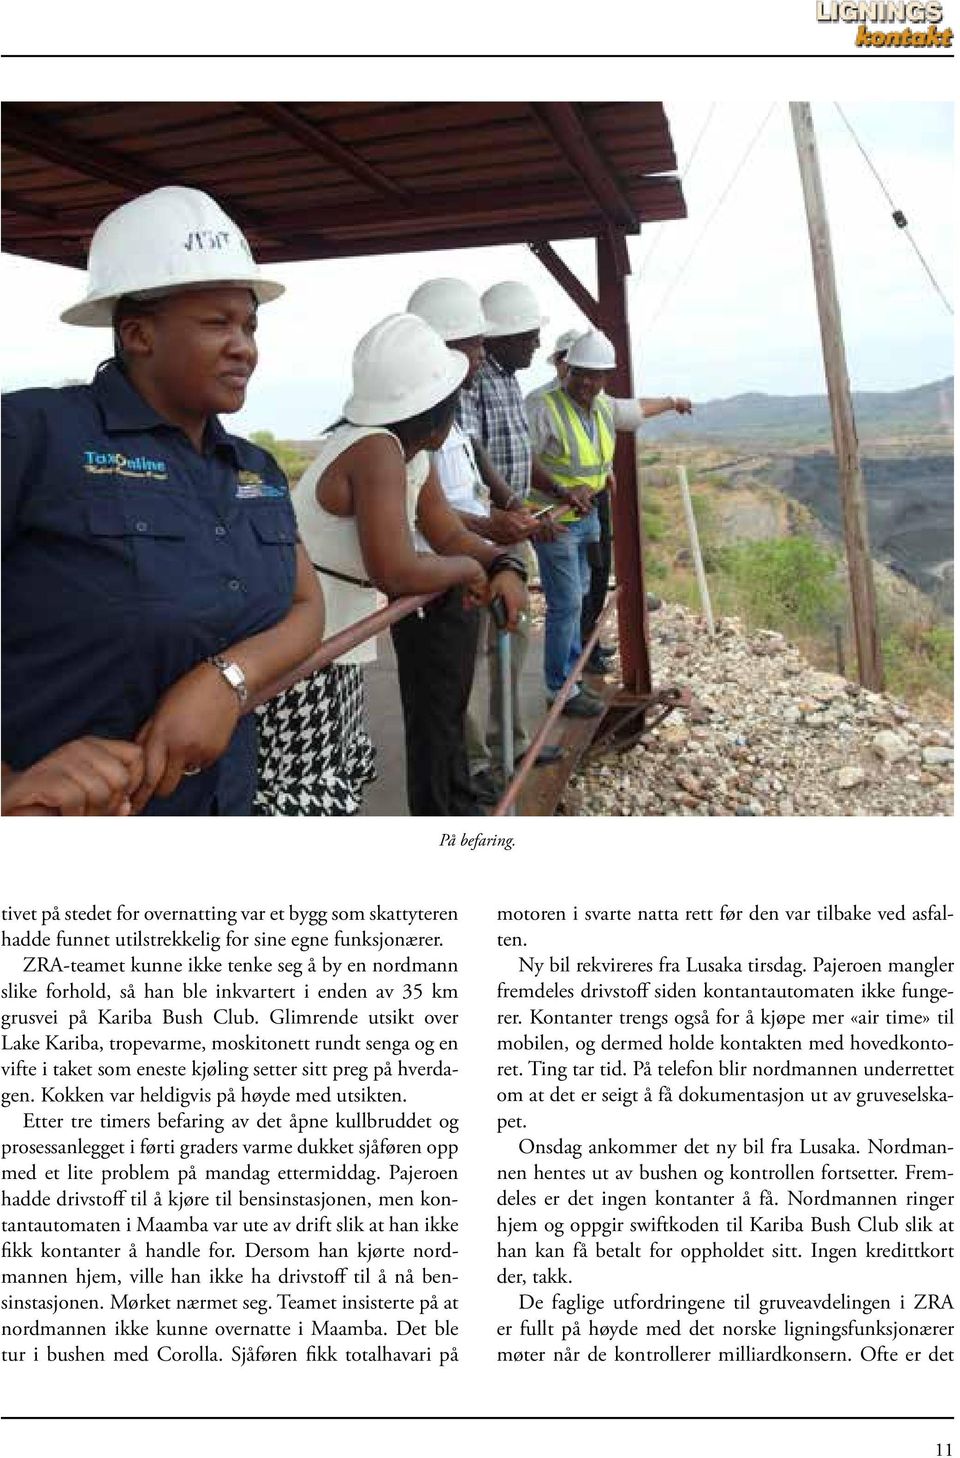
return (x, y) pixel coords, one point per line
(629, 718)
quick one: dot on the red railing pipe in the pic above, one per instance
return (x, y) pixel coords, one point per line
(339, 643)
(556, 708)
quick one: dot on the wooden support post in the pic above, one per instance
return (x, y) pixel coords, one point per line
(853, 499)
(612, 268)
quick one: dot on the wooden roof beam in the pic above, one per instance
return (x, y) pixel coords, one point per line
(49, 224)
(14, 203)
(562, 120)
(293, 249)
(27, 134)
(461, 208)
(285, 119)
(657, 198)
(439, 237)
(568, 281)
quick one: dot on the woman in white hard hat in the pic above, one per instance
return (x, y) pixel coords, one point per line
(477, 493)
(359, 506)
(152, 575)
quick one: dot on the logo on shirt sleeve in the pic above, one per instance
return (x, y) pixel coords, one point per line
(251, 484)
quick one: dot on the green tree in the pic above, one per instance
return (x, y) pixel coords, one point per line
(292, 462)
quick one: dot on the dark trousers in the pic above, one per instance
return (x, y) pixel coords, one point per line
(601, 559)
(436, 654)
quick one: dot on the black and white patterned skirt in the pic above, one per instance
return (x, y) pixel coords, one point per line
(315, 754)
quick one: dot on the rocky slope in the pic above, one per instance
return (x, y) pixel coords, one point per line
(770, 735)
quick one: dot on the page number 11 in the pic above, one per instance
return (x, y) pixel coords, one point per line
(943, 1450)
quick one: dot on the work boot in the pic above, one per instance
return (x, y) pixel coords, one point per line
(549, 754)
(597, 663)
(485, 789)
(583, 705)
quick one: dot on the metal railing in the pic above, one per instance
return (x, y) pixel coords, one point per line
(376, 623)
(505, 805)
(339, 643)
(359, 632)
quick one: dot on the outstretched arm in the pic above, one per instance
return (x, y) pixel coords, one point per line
(664, 404)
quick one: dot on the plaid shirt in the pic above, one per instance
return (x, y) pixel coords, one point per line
(492, 412)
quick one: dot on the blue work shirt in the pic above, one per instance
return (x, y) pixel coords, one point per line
(128, 558)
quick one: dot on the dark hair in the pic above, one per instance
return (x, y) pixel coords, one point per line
(417, 428)
(128, 307)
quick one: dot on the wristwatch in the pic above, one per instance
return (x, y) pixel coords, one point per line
(234, 675)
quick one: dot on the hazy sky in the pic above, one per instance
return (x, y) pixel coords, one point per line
(742, 317)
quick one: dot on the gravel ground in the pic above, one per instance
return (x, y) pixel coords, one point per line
(770, 735)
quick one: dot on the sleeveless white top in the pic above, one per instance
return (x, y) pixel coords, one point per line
(332, 541)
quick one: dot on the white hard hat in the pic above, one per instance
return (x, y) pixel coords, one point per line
(592, 351)
(563, 343)
(449, 306)
(511, 308)
(401, 367)
(170, 239)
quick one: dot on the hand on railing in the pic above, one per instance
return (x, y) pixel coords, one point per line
(508, 599)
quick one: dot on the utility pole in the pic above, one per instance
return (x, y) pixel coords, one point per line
(852, 496)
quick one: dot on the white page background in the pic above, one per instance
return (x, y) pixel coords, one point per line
(637, 863)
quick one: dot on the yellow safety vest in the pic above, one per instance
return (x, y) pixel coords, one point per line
(580, 461)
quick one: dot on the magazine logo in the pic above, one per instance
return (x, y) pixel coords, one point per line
(918, 23)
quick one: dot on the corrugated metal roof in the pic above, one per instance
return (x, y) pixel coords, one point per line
(334, 179)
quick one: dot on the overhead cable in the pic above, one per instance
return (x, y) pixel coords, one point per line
(898, 216)
(716, 208)
(689, 163)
